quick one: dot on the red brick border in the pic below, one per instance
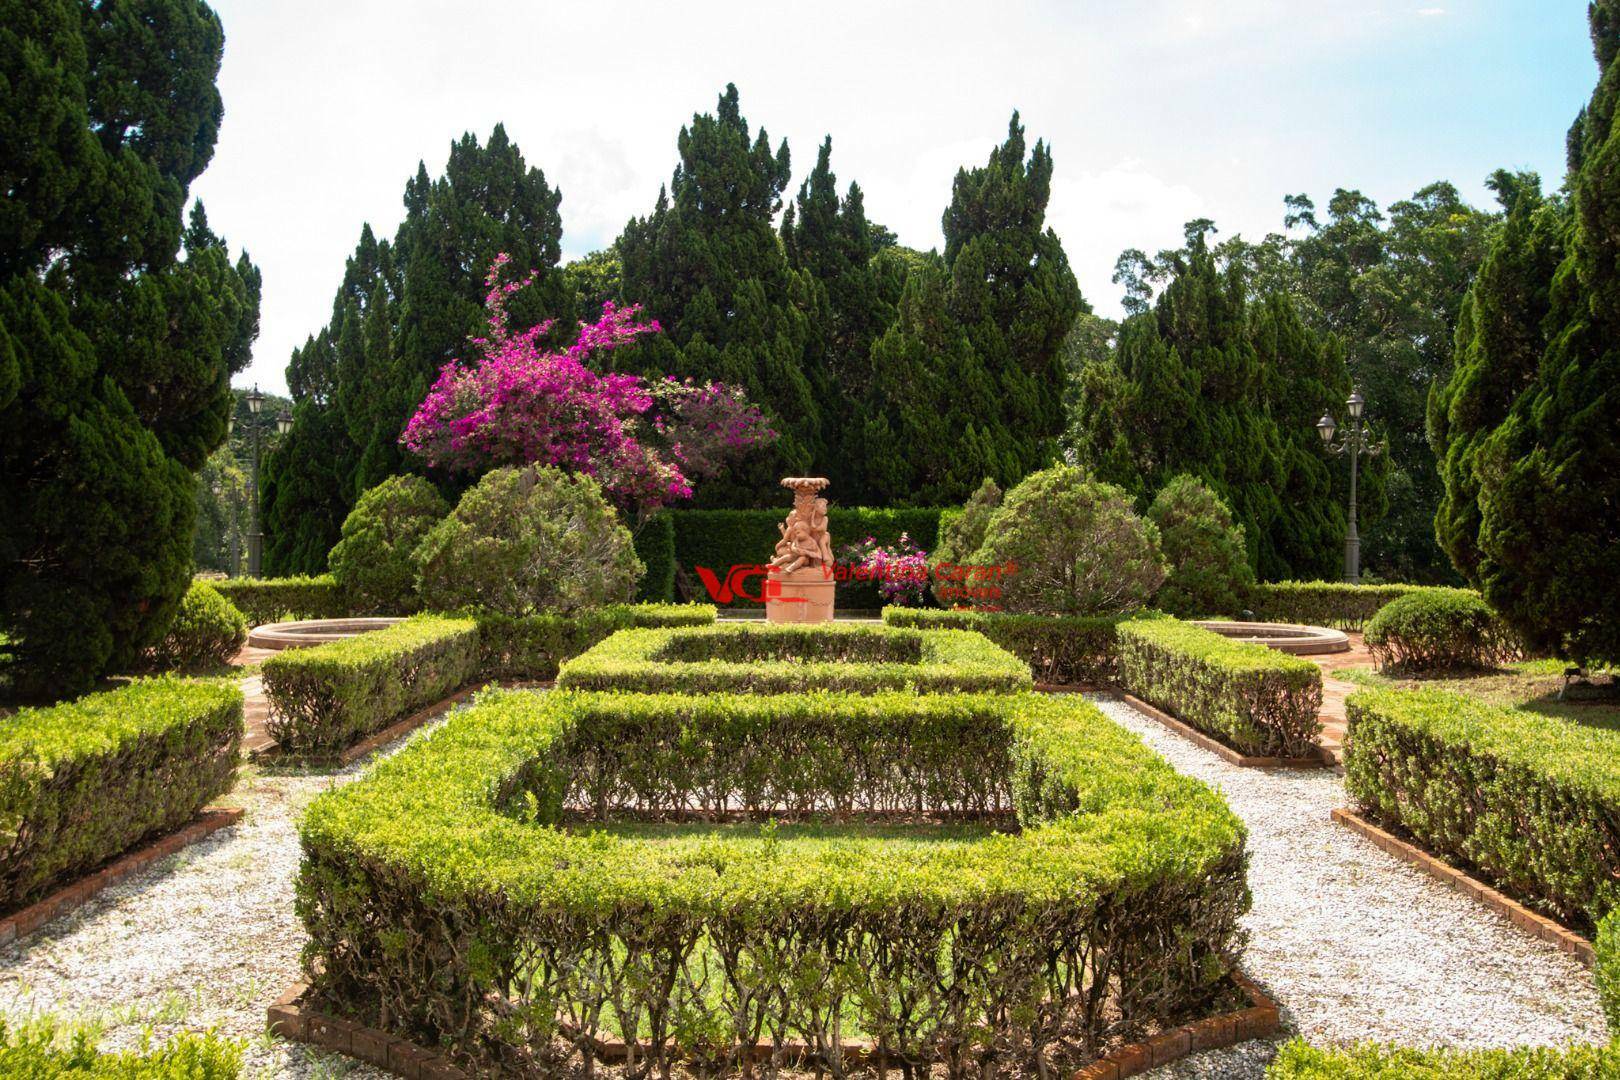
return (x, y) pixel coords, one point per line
(292, 1019)
(1568, 941)
(1220, 749)
(64, 900)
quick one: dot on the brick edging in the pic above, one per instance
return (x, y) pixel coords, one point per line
(1567, 940)
(1218, 748)
(69, 897)
(273, 754)
(291, 1018)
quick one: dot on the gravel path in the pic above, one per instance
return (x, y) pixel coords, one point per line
(1355, 944)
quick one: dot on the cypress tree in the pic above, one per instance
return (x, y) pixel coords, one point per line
(115, 351)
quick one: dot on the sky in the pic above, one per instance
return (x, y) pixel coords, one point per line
(1157, 111)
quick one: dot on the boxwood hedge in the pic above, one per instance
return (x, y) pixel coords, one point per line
(1062, 649)
(774, 659)
(269, 600)
(1338, 604)
(1300, 1061)
(534, 646)
(327, 697)
(84, 781)
(44, 1047)
(445, 902)
(1254, 699)
(1532, 802)
(1439, 630)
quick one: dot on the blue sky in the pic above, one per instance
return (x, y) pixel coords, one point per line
(1158, 111)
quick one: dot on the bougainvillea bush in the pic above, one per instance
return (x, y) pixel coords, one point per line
(900, 569)
(646, 442)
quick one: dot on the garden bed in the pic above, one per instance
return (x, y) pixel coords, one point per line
(1061, 650)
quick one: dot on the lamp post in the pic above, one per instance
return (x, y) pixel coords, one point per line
(1355, 441)
(255, 402)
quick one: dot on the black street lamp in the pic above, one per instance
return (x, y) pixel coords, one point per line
(255, 402)
(1355, 441)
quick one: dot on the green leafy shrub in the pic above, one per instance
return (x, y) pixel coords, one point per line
(1073, 650)
(963, 944)
(1209, 564)
(375, 561)
(84, 781)
(46, 1048)
(655, 547)
(961, 533)
(776, 659)
(1606, 968)
(206, 632)
(1438, 630)
(526, 542)
(1531, 802)
(1338, 604)
(270, 600)
(534, 646)
(1254, 699)
(325, 698)
(1298, 1060)
(1077, 546)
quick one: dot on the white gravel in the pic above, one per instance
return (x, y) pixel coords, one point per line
(1355, 944)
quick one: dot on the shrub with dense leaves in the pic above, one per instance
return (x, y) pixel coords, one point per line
(1606, 968)
(533, 646)
(1370, 1061)
(1256, 700)
(961, 533)
(206, 632)
(525, 542)
(1438, 630)
(1077, 546)
(1209, 564)
(45, 1048)
(1338, 604)
(84, 781)
(899, 570)
(779, 659)
(375, 562)
(1531, 802)
(1076, 650)
(325, 698)
(1112, 901)
(269, 600)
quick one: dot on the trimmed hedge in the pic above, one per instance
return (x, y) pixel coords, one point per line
(84, 781)
(1252, 698)
(1531, 802)
(1300, 1061)
(42, 1048)
(1062, 649)
(533, 647)
(1438, 630)
(721, 539)
(445, 903)
(1338, 604)
(776, 659)
(269, 600)
(655, 547)
(207, 631)
(327, 697)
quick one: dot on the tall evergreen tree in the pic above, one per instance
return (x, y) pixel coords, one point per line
(115, 351)
(1545, 477)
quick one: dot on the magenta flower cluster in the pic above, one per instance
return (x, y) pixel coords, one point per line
(647, 443)
(900, 569)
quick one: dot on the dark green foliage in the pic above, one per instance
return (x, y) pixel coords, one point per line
(115, 352)
(1256, 700)
(269, 600)
(928, 940)
(205, 633)
(1209, 567)
(405, 308)
(43, 1047)
(327, 697)
(961, 533)
(1300, 1061)
(1540, 445)
(534, 646)
(1438, 630)
(375, 562)
(1530, 802)
(1337, 604)
(1606, 968)
(85, 781)
(1072, 546)
(526, 542)
(655, 547)
(1072, 650)
(779, 659)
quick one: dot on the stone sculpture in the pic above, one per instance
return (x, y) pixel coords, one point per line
(800, 584)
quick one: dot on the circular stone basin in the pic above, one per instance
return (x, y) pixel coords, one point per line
(297, 635)
(1291, 638)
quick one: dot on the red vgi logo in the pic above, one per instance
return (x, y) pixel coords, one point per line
(734, 587)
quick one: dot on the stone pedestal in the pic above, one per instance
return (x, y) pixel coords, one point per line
(799, 596)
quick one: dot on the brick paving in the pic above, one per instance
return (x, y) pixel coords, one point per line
(1334, 691)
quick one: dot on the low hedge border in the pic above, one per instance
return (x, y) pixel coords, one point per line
(1338, 604)
(1531, 802)
(1256, 700)
(82, 782)
(446, 906)
(326, 697)
(776, 659)
(43, 1046)
(269, 600)
(1061, 650)
(1299, 1060)
(535, 646)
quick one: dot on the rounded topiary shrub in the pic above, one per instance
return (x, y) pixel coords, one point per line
(1071, 545)
(375, 562)
(1437, 630)
(960, 535)
(207, 631)
(1209, 564)
(526, 541)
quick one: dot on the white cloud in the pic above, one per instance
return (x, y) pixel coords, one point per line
(1431, 12)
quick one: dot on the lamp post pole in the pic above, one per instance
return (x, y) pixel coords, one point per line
(1354, 441)
(255, 401)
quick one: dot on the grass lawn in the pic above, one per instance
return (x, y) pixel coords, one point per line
(1531, 685)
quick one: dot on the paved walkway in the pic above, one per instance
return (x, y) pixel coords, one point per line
(1334, 691)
